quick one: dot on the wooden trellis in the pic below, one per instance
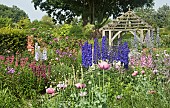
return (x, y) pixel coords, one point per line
(127, 22)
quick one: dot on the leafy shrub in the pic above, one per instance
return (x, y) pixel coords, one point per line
(64, 30)
(21, 82)
(8, 100)
(12, 40)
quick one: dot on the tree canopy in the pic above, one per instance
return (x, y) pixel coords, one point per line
(91, 11)
(13, 12)
(155, 18)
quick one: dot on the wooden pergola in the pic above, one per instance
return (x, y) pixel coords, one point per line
(127, 22)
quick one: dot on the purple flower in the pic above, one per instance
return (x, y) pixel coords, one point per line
(10, 70)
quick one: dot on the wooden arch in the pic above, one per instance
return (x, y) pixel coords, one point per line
(127, 22)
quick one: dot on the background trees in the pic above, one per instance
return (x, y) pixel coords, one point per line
(91, 11)
(14, 13)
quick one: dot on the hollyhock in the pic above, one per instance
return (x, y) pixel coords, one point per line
(104, 65)
(80, 85)
(50, 90)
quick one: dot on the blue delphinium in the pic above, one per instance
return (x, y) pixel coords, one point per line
(96, 52)
(89, 55)
(126, 53)
(86, 55)
(104, 48)
(122, 54)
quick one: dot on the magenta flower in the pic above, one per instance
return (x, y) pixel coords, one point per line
(50, 90)
(104, 65)
(80, 85)
(61, 86)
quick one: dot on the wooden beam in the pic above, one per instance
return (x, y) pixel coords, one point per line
(115, 35)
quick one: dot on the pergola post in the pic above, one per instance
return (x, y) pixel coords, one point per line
(110, 37)
(103, 32)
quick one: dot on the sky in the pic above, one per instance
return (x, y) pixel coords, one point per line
(33, 14)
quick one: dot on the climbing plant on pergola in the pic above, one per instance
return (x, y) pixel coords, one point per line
(129, 22)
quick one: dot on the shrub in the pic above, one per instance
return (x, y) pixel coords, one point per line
(12, 40)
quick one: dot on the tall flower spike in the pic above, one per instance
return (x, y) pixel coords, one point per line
(104, 48)
(96, 51)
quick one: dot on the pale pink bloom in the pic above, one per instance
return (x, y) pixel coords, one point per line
(143, 72)
(50, 90)
(149, 63)
(80, 85)
(61, 86)
(83, 94)
(104, 65)
(134, 73)
(143, 61)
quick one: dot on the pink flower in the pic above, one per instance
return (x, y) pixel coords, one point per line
(80, 86)
(83, 94)
(50, 90)
(134, 73)
(61, 86)
(104, 65)
(143, 72)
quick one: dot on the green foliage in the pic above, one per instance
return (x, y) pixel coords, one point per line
(92, 11)
(7, 99)
(23, 23)
(88, 30)
(14, 13)
(155, 18)
(4, 22)
(12, 40)
(64, 30)
(22, 83)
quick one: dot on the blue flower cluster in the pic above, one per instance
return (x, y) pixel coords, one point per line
(119, 53)
(87, 55)
(104, 48)
(122, 54)
(96, 52)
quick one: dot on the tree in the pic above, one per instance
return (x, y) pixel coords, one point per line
(92, 11)
(162, 14)
(155, 18)
(14, 13)
(148, 14)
